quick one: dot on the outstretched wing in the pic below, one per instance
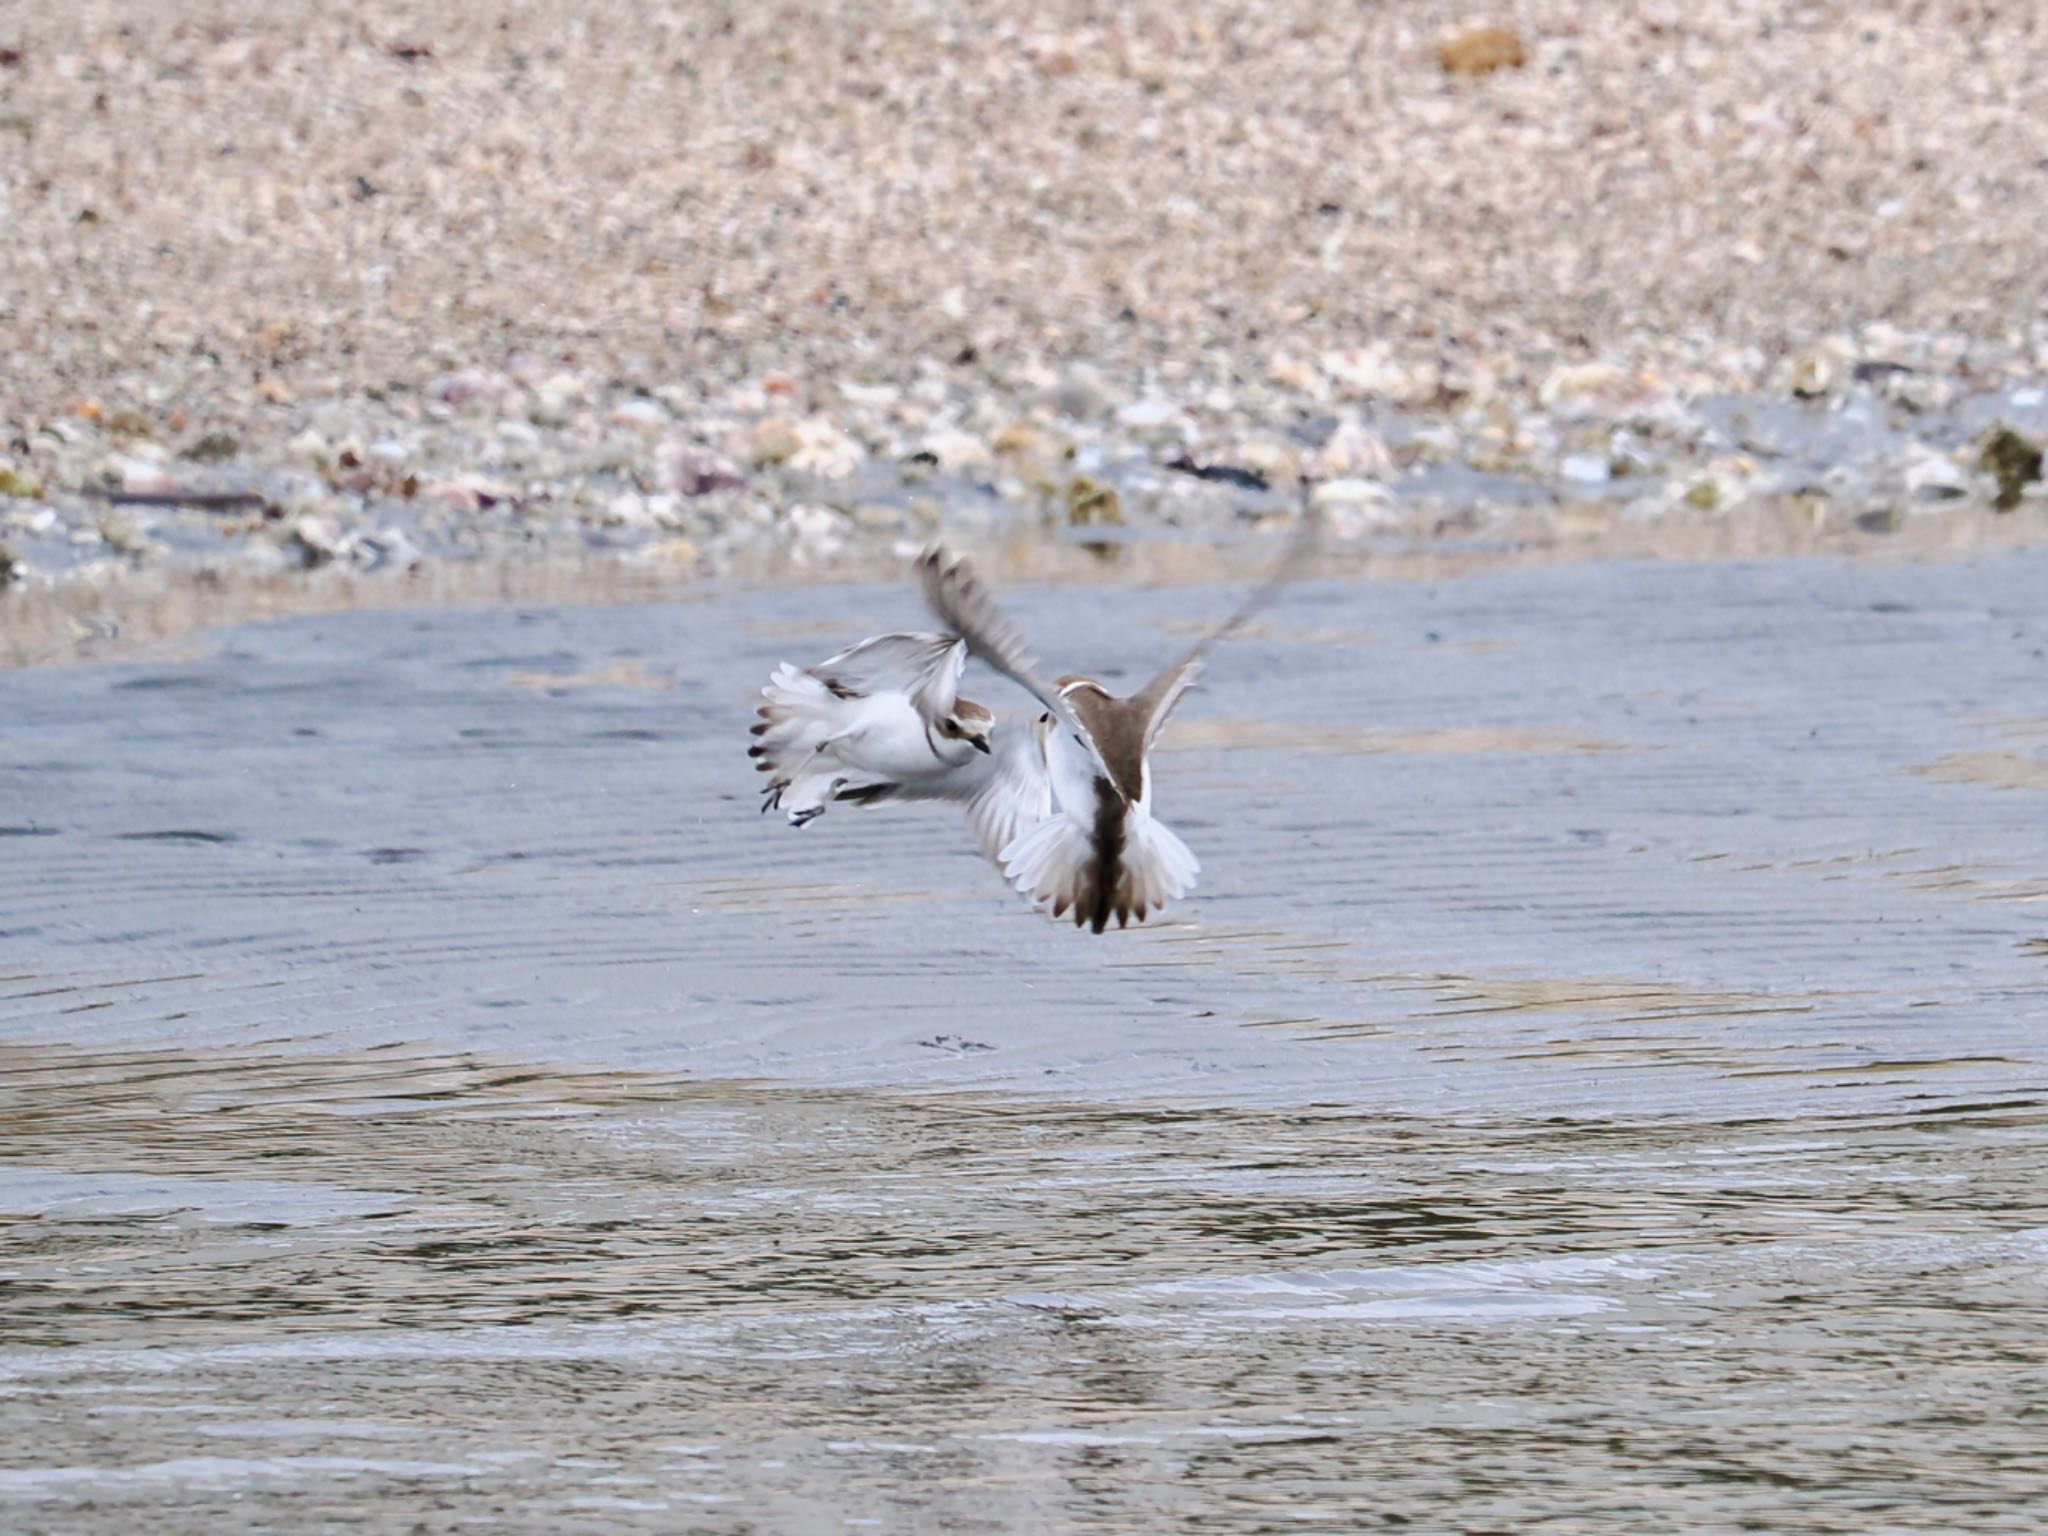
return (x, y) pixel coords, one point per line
(960, 602)
(1017, 793)
(926, 667)
(1159, 697)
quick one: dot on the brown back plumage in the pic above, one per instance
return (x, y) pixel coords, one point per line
(1118, 729)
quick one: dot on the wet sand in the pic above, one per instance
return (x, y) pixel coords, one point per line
(1598, 1083)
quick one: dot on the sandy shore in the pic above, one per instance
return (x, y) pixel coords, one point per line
(793, 288)
(200, 197)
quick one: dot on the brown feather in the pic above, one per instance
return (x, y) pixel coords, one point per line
(1157, 699)
(1118, 730)
(962, 605)
(1105, 870)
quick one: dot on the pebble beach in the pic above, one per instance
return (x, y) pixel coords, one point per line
(308, 310)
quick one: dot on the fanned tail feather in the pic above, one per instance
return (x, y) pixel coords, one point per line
(796, 718)
(1069, 867)
(1157, 866)
(799, 715)
(1050, 862)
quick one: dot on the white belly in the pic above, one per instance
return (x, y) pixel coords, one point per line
(888, 739)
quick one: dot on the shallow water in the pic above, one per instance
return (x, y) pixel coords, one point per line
(1600, 1084)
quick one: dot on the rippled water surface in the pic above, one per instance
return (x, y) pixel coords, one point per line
(1600, 1085)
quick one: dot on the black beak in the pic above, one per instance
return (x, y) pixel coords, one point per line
(980, 742)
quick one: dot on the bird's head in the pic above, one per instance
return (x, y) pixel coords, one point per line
(969, 722)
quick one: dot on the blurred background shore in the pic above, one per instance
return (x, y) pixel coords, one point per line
(311, 308)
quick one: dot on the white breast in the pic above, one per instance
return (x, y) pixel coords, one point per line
(888, 739)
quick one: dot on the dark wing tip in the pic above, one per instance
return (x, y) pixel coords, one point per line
(942, 570)
(936, 565)
(868, 794)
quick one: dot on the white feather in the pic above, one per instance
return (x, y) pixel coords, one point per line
(817, 733)
(1054, 862)
(1004, 791)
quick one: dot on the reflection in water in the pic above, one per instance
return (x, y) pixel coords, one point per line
(315, 1289)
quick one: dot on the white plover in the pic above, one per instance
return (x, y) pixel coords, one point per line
(1004, 793)
(886, 710)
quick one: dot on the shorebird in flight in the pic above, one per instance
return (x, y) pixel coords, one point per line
(885, 711)
(1098, 852)
(1060, 797)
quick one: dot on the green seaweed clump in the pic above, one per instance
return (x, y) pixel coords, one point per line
(1091, 503)
(2014, 461)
